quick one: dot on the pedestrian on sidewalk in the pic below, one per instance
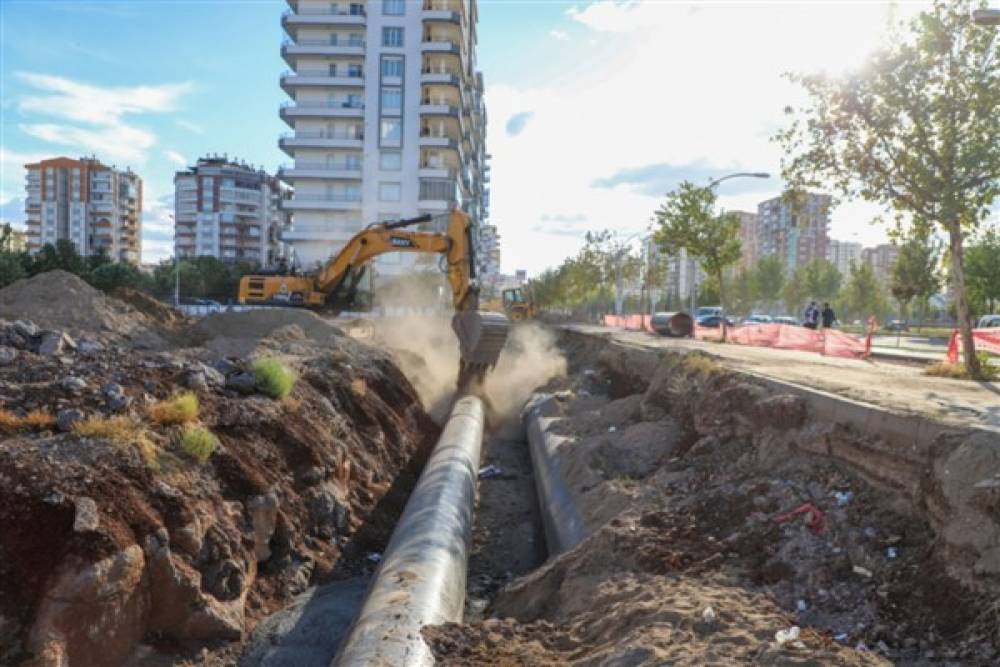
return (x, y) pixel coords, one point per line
(811, 316)
(828, 316)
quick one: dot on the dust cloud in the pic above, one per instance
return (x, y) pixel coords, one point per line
(426, 348)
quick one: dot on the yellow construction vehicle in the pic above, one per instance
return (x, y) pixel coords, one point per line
(518, 304)
(481, 334)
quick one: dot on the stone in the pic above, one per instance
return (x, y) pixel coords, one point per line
(89, 348)
(55, 342)
(214, 377)
(117, 402)
(195, 380)
(112, 389)
(226, 367)
(263, 511)
(73, 384)
(328, 511)
(87, 517)
(66, 418)
(243, 383)
(7, 355)
(25, 329)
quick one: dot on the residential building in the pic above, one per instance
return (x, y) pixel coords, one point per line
(798, 232)
(488, 250)
(11, 239)
(230, 210)
(842, 254)
(881, 258)
(94, 206)
(748, 239)
(387, 119)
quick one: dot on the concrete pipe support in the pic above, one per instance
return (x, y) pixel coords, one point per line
(421, 579)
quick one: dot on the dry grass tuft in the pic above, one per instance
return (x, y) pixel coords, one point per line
(701, 363)
(122, 431)
(943, 369)
(36, 420)
(179, 409)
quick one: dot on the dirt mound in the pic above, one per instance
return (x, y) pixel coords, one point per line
(237, 334)
(59, 300)
(160, 312)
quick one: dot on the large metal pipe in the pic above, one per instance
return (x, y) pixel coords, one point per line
(560, 517)
(421, 580)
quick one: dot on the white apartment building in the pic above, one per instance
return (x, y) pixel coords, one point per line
(842, 254)
(229, 210)
(94, 206)
(387, 118)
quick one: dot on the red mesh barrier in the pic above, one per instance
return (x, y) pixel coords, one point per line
(985, 340)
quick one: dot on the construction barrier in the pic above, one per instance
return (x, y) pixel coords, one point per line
(828, 342)
(985, 340)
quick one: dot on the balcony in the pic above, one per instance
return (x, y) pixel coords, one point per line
(320, 47)
(434, 13)
(320, 170)
(319, 109)
(320, 140)
(438, 194)
(290, 80)
(440, 46)
(307, 202)
(320, 18)
(428, 109)
(301, 233)
(435, 171)
(437, 141)
(440, 78)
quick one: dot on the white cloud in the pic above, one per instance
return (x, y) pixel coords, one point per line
(560, 35)
(176, 158)
(663, 85)
(96, 114)
(188, 125)
(157, 227)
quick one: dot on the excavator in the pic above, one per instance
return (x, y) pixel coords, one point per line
(481, 334)
(519, 304)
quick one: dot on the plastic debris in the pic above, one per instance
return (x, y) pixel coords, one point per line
(841, 637)
(843, 498)
(708, 615)
(863, 571)
(785, 636)
(801, 605)
(815, 519)
(891, 552)
(860, 646)
(612, 429)
(374, 557)
(490, 471)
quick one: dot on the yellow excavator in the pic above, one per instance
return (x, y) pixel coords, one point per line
(481, 334)
(518, 304)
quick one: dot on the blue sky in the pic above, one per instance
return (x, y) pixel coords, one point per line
(595, 108)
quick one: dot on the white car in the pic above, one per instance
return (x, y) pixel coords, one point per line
(988, 322)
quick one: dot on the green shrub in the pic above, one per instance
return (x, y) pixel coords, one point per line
(179, 409)
(199, 443)
(273, 378)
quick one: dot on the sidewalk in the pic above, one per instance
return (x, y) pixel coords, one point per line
(902, 388)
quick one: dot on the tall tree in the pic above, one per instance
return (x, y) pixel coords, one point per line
(983, 267)
(769, 278)
(915, 129)
(863, 295)
(821, 279)
(686, 220)
(914, 273)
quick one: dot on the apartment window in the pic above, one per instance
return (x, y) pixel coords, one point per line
(392, 99)
(390, 160)
(391, 133)
(356, 39)
(357, 9)
(389, 192)
(354, 71)
(392, 37)
(392, 66)
(393, 7)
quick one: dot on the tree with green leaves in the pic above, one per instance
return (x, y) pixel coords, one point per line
(769, 278)
(11, 268)
(687, 220)
(112, 276)
(915, 130)
(914, 273)
(794, 294)
(983, 268)
(863, 295)
(821, 279)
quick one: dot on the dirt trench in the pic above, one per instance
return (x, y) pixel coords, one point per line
(726, 524)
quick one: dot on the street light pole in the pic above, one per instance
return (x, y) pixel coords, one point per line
(711, 186)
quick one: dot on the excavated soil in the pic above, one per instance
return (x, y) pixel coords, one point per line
(124, 544)
(715, 521)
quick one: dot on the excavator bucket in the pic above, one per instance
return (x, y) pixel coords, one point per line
(481, 337)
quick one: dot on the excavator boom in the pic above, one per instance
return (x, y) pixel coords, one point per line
(481, 334)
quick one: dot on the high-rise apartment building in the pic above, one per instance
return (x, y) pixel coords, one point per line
(748, 239)
(842, 254)
(229, 210)
(797, 231)
(94, 206)
(881, 258)
(488, 250)
(387, 118)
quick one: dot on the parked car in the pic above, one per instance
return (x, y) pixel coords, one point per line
(896, 326)
(758, 319)
(707, 311)
(784, 319)
(988, 322)
(714, 321)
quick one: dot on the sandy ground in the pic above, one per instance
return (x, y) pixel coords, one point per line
(899, 387)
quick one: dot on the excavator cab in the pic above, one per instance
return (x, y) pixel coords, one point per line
(518, 304)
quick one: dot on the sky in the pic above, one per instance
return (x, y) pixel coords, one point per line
(596, 108)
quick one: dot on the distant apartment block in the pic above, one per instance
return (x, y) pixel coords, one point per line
(229, 210)
(94, 206)
(386, 115)
(748, 239)
(881, 258)
(489, 250)
(842, 254)
(12, 240)
(798, 232)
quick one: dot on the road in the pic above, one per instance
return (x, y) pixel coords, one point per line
(899, 387)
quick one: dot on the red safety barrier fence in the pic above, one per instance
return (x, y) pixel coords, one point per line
(985, 340)
(828, 342)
